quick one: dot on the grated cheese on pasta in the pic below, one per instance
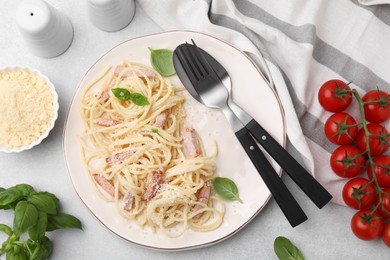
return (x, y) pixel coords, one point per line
(26, 107)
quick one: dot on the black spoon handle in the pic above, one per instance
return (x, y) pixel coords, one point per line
(312, 188)
(282, 195)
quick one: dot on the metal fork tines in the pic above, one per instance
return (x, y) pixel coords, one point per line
(198, 71)
(204, 85)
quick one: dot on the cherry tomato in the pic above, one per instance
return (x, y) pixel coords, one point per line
(335, 95)
(347, 161)
(386, 234)
(381, 170)
(378, 143)
(367, 226)
(341, 128)
(384, 208)
(359, 194)
(377, 112)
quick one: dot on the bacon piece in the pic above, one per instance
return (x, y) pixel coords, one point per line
(118, 70)
(203, 197)
(204, 193)
(106, 121)
(191, 148)
(128, 201)
(119, 157)
(105, 95)
(161, 118)
(105, 184)
(154, 185)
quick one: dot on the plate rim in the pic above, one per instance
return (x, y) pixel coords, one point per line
(185, 248)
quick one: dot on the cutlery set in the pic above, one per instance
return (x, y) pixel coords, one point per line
(210, 84)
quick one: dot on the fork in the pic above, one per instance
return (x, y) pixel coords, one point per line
(205, 86)
(312, 188)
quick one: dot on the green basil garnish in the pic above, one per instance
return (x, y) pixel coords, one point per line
(6, 229)
(40, 250)
(24, 189)
(25, 217)
(9, 196)
(35, 213)
(43, 202)
(125, 94)
(226, 189)
(162, 61)
(62, 220)
(38, 230)
(285, 250)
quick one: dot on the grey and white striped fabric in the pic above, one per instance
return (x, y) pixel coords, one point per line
(305, 43)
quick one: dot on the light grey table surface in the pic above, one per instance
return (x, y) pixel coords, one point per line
(325, 235)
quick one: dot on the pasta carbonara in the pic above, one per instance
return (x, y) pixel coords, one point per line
(145, 158)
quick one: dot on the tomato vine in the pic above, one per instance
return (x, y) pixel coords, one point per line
(370, 196)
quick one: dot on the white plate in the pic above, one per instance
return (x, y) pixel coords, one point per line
(250, 91)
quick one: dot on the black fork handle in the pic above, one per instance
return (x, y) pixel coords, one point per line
(282, 195)
(312, 188)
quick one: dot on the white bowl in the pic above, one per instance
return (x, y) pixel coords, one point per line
(54, 116)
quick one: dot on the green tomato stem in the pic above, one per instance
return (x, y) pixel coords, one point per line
(368, 151)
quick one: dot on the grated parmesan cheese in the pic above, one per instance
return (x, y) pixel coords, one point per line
(26, 107)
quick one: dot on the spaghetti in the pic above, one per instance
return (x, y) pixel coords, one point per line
(146, 159)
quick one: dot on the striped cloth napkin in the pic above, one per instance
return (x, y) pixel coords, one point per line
(304, 43)
(374, 2)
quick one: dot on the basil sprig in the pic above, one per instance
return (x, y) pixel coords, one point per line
(226, 189)
(285, 250)
(126, 95)
(35, 213)
(162, 61)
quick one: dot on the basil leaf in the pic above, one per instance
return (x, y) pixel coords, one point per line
(24, 189)
(121, 93)
(2, 189)
(285, 250)
(162, 61)
(31, 245)
(44, 202)
(42, 249)
(54, 198)
(18, 254)
(226, 189)
(6, 229)
(62, 220)
(38, 230)
(25, 217)
(139, 99)
(136, 98)
(9, 196)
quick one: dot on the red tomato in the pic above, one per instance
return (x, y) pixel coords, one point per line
(367, 226)
(378, 143)
(335, 95)
(341, 128)
(347, 161)
(384, 208)
(379, 111)
(386, 234)
(381, 170)
(359, 194)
